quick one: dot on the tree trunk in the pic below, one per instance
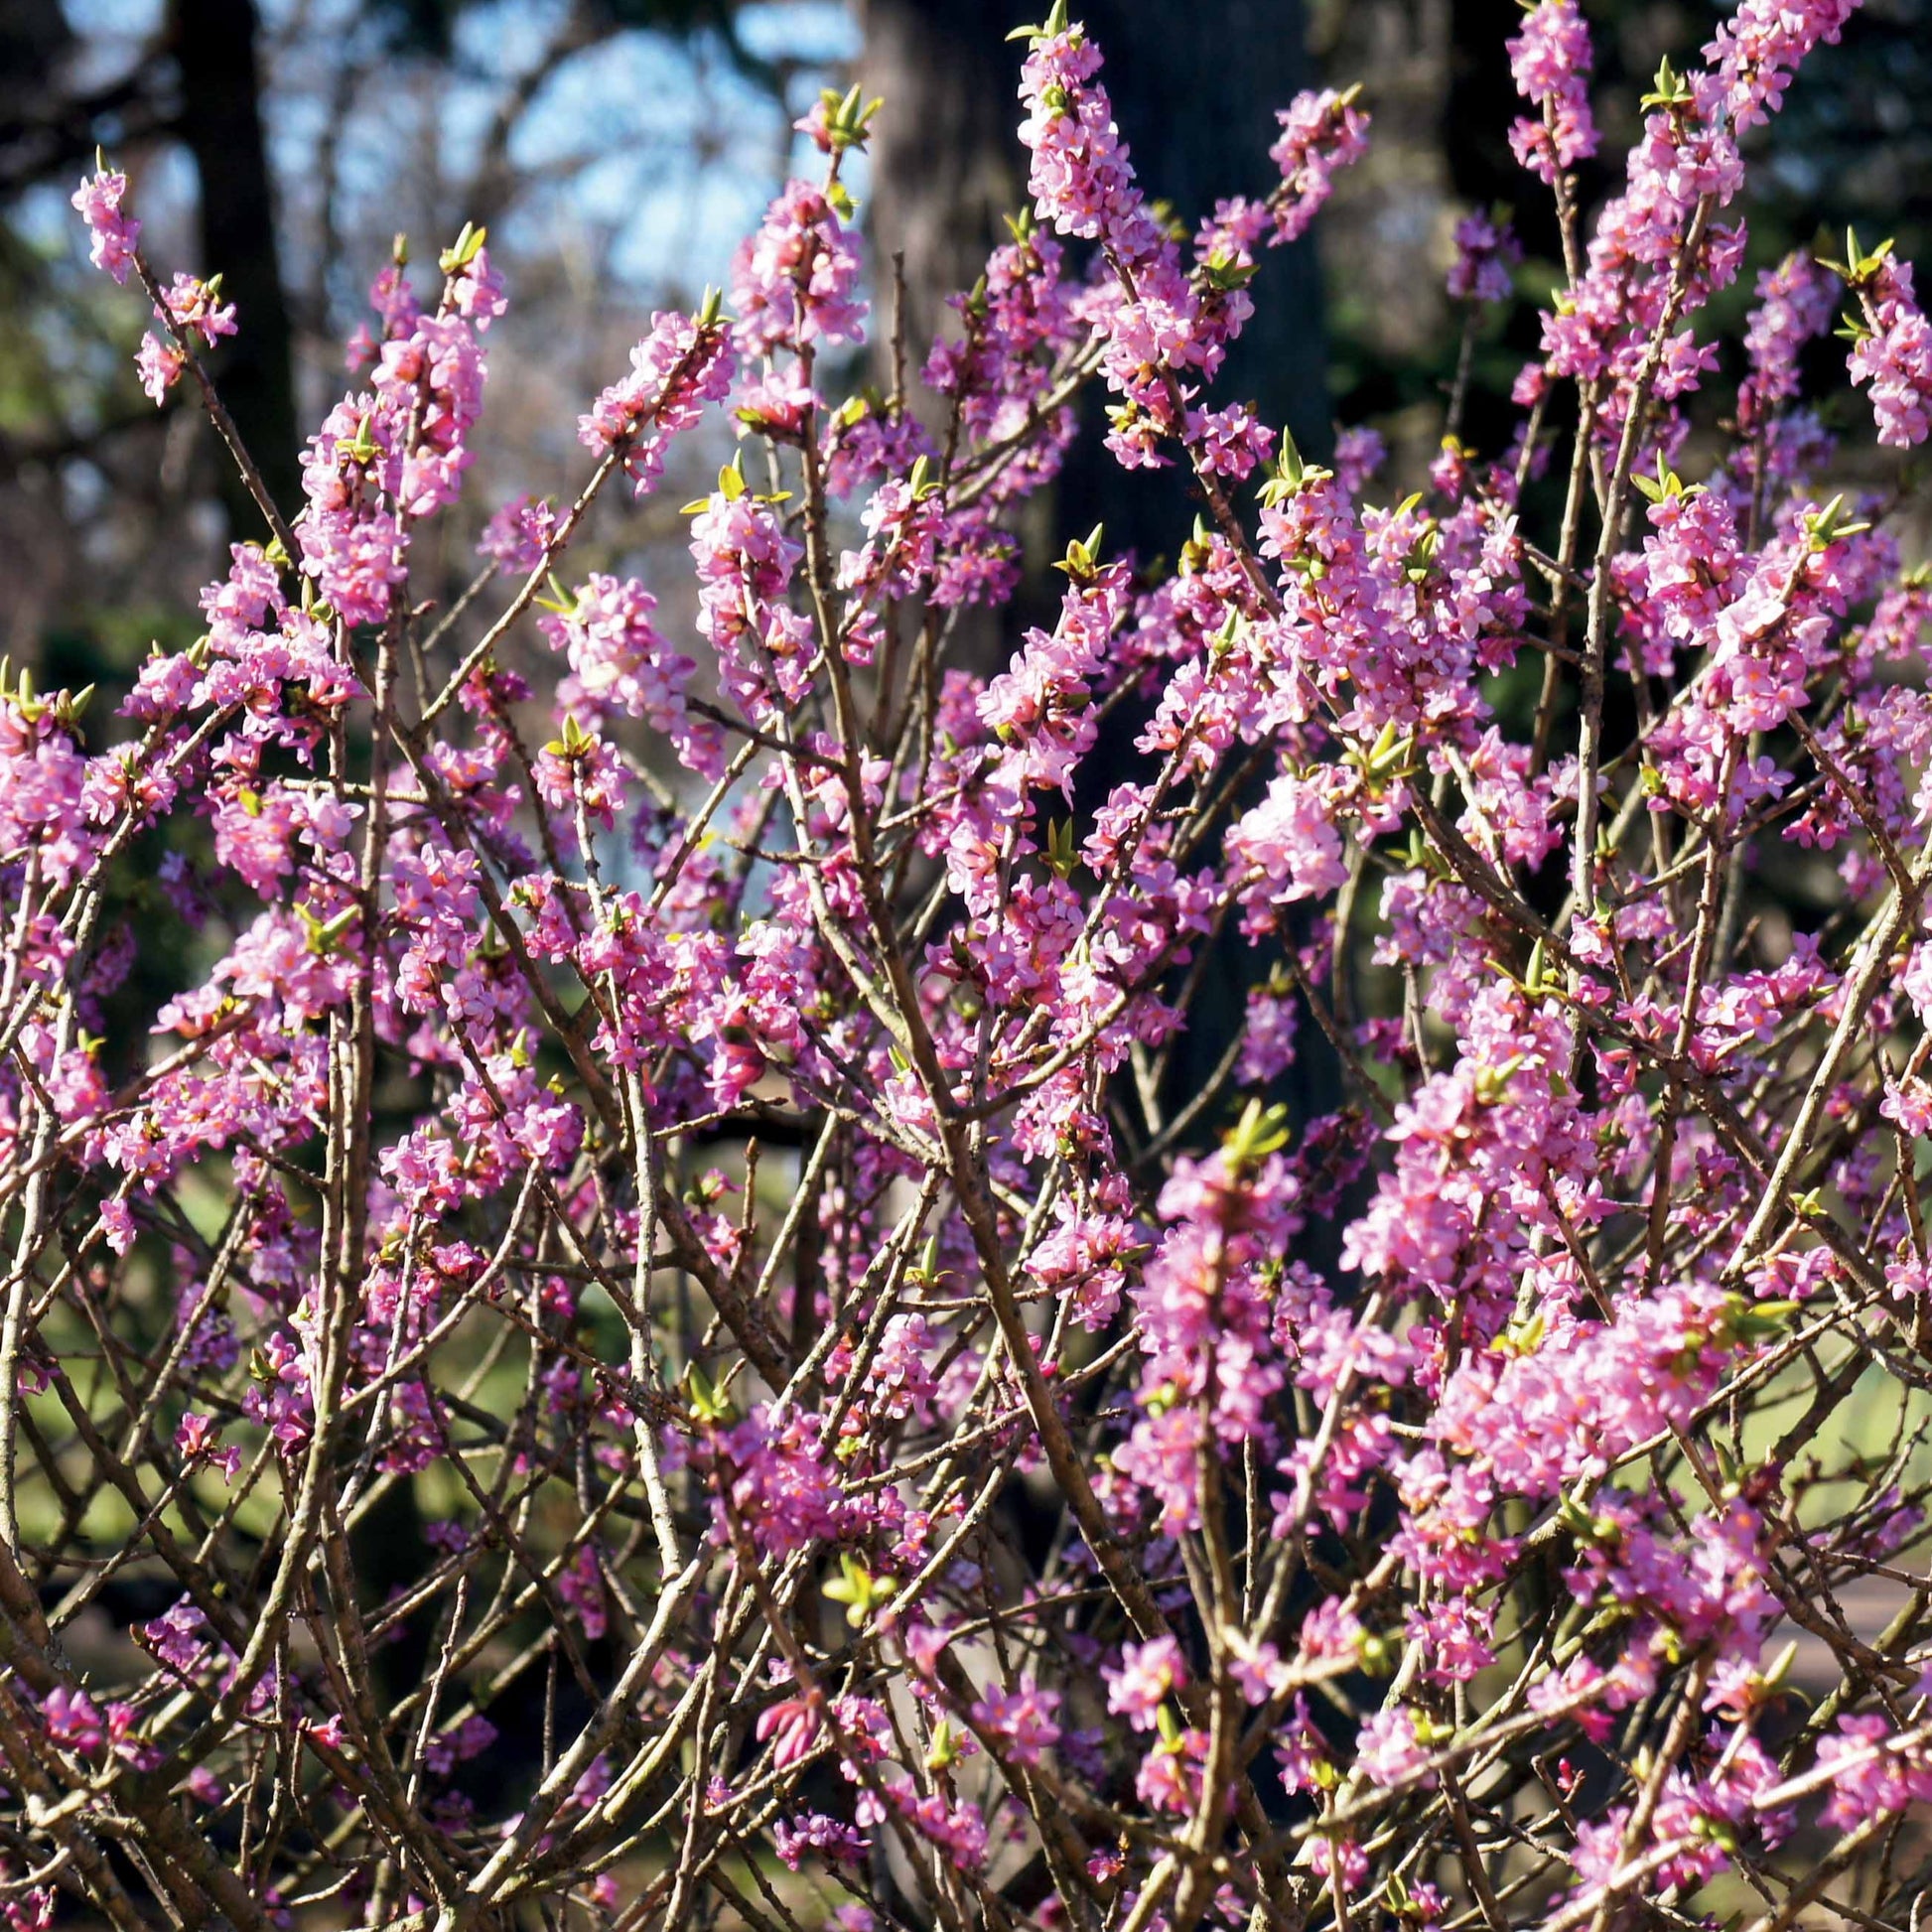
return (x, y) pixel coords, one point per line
(1196, 97)
(214, 45)
(1194, 94)
(947, 163)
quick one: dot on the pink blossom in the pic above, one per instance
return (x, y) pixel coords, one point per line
(158, 366)
(1893, 359)
(1485, 253)
(1550, 60)
(674, 371)
(794, 1724)
(1148, 1674)
(794, 281)
(115, 234)
(73, 1721)
(1024, 1720)
(192, 306)
(1321, 133)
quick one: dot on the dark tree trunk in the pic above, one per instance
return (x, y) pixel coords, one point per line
(214, 45)
(1195, 93)
(33, 36)
(946, 160)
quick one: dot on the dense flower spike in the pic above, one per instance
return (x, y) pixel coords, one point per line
(1321, 133)
(1893, 356)
(718, 1283)
(1164, 330)
(682, 364)
(112, 234)
(1795, 300)
(1550, 60)
(792, 281)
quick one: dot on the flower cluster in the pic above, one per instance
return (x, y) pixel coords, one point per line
(1893, 356)
(1486, 252)
(680, 1252)
(112, 233)
(682, 364)
(1162, 329)
(1550, 60)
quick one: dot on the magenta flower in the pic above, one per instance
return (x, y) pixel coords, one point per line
(792, 1727)
(113, 234)
(1893, 358)
(1485, 253)
(674, 371)
(1148, 1674)
(1023, 1721)
(1321, 133)
(1550, 60)
(73, 1721)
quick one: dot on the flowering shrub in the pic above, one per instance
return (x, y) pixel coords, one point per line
(1020, 1492)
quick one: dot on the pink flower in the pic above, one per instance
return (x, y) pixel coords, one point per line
(794, 1838)
(1389, 1752)
(117, 1225)
(518, 534)
(158, 366)
(1321, 133)
(189, 305)
(1893, 359)
(794, 1724)
(581, 1585)
(476, 293)
(1760, 45)
(73, 1721)
(199, 1441)
(1360, 454)
(1549, 61)
(115, 234)
(620, 663)
(1024, 1720)
(1080, 179)
(1288, 844)
(329, 1735)
(674, 371)
(1148, 1673)
(1795, 300)
(1485, 252)
(793, 282)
